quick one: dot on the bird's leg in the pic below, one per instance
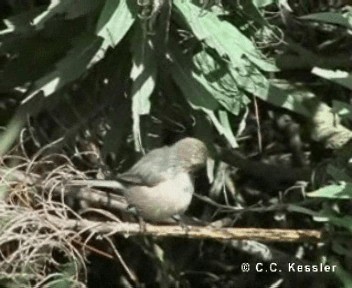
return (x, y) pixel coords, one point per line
(180, 221)
(141, 222)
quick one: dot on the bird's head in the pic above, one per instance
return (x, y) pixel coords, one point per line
(191, 152)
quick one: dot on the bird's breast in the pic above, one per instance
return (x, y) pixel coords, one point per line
(164, 200)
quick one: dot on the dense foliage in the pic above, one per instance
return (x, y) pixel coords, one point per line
(102, 80)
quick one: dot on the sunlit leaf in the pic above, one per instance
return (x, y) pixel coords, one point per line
(222, 36)
(284, 94)
(263, 3)
(11, 133)
(342, 109)
(55, 7)
(338, 174)
(33, 57)
(216, 77)
(21, 23)
(336, 191)
(225, 123)
(114, 22)
(342, 78)
(143, 75)
(69, 68)
(196, 94)
(330, 17)
(250, 9)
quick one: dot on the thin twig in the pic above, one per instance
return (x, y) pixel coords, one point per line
(133, 229)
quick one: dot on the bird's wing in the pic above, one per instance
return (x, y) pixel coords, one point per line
(150, 170)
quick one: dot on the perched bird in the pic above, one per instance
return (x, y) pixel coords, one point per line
(160, 185)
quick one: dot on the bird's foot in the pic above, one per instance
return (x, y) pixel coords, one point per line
(180, 221)
(142, 224)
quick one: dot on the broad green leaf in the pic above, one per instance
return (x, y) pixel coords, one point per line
(220, 128)
(66, 277)
(250, 9)
(336, 191)
(251, 80)
(143, 75)
(302, 210)
(216, 77)
(290, 97)
(342, 78)
(225, 123)
(71, 67)
(340, 248)
(343, 275)
(32, 58)
(344, 221)
(114, 22)
(338, 174)
(55, 7)
(228, 83)
(330, 17)
(21, 23)
(342, 109)
(203, 130)
(197, 95)
(12, 131)
(222, 36)
(263, 3)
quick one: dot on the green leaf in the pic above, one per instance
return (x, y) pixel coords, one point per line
(55, 7)
(344, 222)
(32, 58)
(12, 131)
(64, 278)
(250, 9)
(221, 129)
(114, 22)
(342, 109)
(197, 95)
(214, 74)
(336, 191)
(143, 75)
(342, 78)
(330, 17)
(222, 36)
(302, 210)
(225, 123)
(21, 23)
(251, 80)
(338, 174)
(343, 275)
(69, 68)
(263, 3)
(283, 94)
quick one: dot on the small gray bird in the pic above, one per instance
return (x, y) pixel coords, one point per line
(160, 185)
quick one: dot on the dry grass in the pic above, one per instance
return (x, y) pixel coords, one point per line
(33, 251)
